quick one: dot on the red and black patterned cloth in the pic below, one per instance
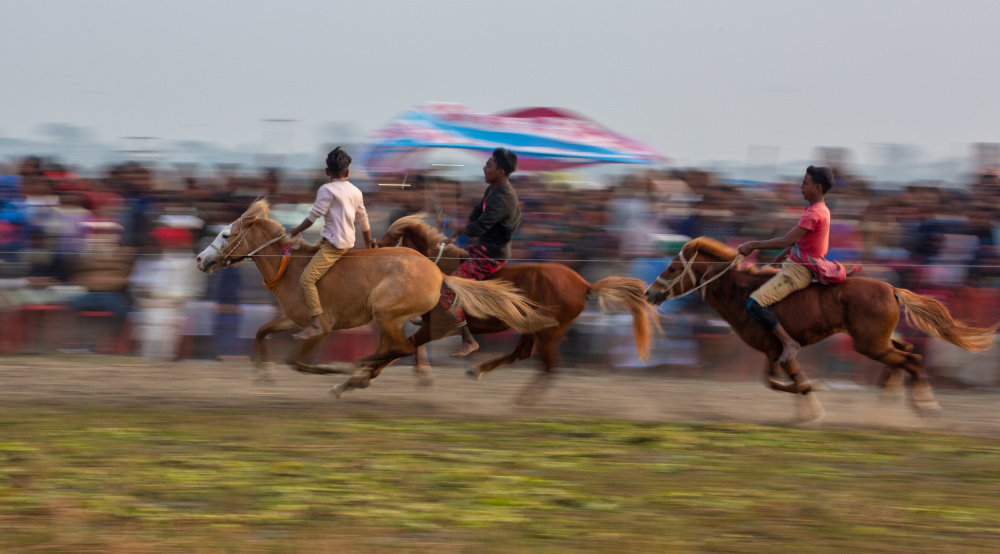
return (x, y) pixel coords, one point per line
(478, 266)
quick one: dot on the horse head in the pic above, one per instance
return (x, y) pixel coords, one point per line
(240, 239)
(688, 269)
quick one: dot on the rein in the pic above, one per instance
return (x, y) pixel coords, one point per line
(694, 280)
(226, 248)
(440, 252)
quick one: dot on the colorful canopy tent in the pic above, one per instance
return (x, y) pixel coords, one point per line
(543, 138)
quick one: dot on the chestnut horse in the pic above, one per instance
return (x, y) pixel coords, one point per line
(560, 292)
(866, 310)
(389, 286)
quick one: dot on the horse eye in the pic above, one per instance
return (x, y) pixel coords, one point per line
(225, 236)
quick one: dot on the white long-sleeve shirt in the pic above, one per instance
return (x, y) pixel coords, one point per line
(341, 204)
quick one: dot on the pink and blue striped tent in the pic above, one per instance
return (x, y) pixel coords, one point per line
(543, 138)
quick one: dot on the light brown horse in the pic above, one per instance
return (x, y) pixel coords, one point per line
(389, 286)
(866, 310)
(560, 292)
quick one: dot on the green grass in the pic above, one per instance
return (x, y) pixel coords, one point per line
(138, 480)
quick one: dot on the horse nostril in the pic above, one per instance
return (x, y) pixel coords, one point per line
(198, 259)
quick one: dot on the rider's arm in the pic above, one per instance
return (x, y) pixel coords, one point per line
(781, 257)
(361, 216)
(496, 208)
(324, 197)
(306, 223)
(774, 244)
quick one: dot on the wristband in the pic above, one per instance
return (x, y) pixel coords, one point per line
(447, 220)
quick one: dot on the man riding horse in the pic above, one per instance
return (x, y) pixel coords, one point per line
(866, 310)
(492, 222)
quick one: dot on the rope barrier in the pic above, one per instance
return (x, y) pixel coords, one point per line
(665, 259)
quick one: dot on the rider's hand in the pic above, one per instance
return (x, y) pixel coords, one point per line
(745, 249)
(373, 244)
(294, 231)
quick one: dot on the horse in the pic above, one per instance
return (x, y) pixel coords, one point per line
(389, 286)
(865, 309)
(560, 292)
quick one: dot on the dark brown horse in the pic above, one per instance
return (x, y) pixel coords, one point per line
(866, 310)
(560, 293)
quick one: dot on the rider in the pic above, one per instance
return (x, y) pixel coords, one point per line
(493, 222)
(804, 246)
(341, 204)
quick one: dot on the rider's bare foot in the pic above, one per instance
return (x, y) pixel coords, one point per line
(789, 352)
(309, 332)
(467, 348)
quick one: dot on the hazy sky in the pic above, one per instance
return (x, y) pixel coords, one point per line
(699, 80)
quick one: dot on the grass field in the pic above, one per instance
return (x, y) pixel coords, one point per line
(139, 480)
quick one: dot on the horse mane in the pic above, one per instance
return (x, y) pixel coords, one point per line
(260, 208)
(713, 247)
(430, 234)
(747, 275)
(415, 224)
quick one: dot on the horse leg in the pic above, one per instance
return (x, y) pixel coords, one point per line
(904, 359)
(422, 367)
(772, 374)
(393, 344)
(277, 325)
(891, 380)
(301, 361)
(809, 408)
(548, 350)
(522, 350)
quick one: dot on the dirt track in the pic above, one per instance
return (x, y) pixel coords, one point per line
(104, 381)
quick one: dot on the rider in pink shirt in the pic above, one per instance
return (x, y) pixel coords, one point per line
(804, 247)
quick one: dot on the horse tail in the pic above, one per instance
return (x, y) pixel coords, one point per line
(499, 299)
(629, 293)
(931, 317)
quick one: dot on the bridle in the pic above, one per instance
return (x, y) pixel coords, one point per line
(230, 245)
(689, 271)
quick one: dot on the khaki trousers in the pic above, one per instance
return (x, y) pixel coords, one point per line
(791, 278)
(320, 263)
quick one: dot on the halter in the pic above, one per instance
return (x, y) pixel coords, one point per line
(694, 279)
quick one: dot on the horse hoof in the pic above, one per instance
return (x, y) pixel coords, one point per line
(337, 391)
(474, 373)
(928, 410)
(810, 410)
(425, 383)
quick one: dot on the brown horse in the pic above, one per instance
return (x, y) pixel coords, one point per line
(560, 292)
(867, 310)
(389, 286)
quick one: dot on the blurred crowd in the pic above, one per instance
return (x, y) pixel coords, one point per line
(111, 256)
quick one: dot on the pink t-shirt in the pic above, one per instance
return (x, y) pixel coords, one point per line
(816, 219)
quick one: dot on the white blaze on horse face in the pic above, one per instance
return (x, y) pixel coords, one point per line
(209, 256)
